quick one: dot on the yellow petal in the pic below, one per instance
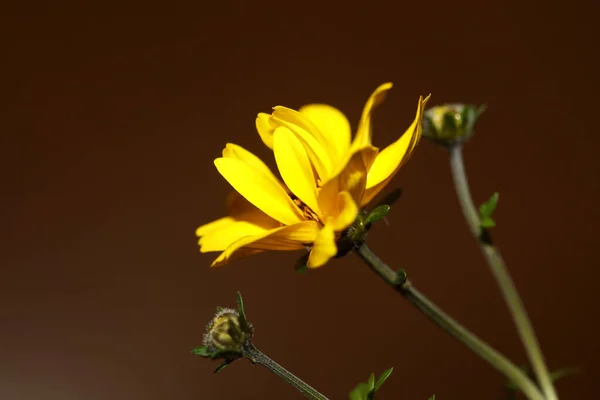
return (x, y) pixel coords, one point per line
(238, 152)
(295, 167)
(347, 212)
(317, 148)
(244, 219)
(352, 179)
(214, 226)
(390, 159)
(259, 189)
(333, 124)
(223, 238)
(293, 237)
(363, 134)
(323, 249)
(265, 130)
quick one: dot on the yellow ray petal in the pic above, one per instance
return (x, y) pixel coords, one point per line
(242, 210)
(363, 134)
(264, 128)
(347, 212)
(223, 238)
(390, 159)
(293, 237)
(323, 249)
(333, 124)
(259, 189)
(322, 157)
(214, 226)
(295, 167)
(238, 152)
(352, 179)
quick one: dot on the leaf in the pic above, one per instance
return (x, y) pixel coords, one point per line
(432, 397)
(360, 392)
(371, 381)
(201, 351)
(386, 374)
(487, 209)
(219, 309)
(367, 390)
(378, 213)
(566, 371)
(487, 222)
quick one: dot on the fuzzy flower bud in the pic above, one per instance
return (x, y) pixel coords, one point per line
(226, 333)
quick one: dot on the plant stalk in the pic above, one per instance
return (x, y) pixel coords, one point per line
(501, 274)
(398, 281)
(258, 357)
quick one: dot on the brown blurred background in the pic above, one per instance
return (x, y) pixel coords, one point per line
(109, 126)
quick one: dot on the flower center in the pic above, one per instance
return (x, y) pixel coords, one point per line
(308, 213)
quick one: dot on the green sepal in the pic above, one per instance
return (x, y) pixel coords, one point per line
(201, 351)
(221, 367)
(244, 325)
(302, 264)
(378, 214)
(486, 210)
(226, 354)
(449, 126)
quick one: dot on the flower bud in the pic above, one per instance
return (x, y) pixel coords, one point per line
(450, 124)
(227, 333)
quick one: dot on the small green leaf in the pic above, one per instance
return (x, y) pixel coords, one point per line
(219, 309)
(378, 213)
(382, 378)
(360, 392)
(566, 371)
(371, 381)
(487, 222)
(221, 367)
(487, 209)
(201, 351)
(432, 397)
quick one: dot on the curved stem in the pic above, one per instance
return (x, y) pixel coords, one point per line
(500, 272)
(398, 281)
(258, 357)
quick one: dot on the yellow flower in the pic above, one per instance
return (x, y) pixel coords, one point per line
(326, 176)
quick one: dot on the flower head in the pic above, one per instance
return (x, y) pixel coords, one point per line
(326, 177)
(450, 124)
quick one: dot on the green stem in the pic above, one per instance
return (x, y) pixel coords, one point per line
(258, 357)
(500, 272)
(398, 281)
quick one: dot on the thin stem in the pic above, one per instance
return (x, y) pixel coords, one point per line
(500, 272)
(261, 358)
(398, 281)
